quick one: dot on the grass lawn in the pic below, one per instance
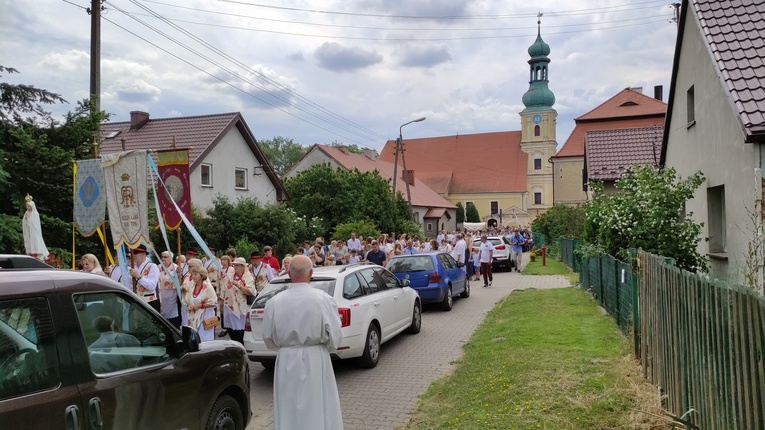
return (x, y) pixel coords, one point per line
(553, 267)
(542, 359)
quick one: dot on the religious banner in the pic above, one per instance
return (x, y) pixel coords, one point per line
(173, 166)
(89, 196)
(125, 177)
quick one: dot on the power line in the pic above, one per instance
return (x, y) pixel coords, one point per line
(224, 81)
(231, 72)
(266, 78)
(435, 17)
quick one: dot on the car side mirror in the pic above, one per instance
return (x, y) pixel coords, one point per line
(190, 339)
(404, 282)
(460, 264)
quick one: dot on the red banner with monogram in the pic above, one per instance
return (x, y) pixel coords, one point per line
(173, 166)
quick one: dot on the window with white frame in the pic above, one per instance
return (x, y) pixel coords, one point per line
(691, 103)
(205, 171)
(240, 178)
(716, 218)
(430, 226)
(537, 195)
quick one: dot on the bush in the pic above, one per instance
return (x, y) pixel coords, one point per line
(364, 228)
(560, 221)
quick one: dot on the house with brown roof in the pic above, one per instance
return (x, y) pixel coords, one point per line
(505, 175)
(608, 154)
(224, 157)
(628, 109)
(431, 211)
(716, 125)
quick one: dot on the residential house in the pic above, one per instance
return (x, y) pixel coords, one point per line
(506, 175)
(431, 211)
(716, 125)
(224, 157)
(628, 109)
(610, 153)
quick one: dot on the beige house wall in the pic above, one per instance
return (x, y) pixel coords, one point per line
(567, 181)
(713, 144)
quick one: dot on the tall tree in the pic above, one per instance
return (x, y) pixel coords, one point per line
(36, 155)
(471, 213)
(460, 213)
(281, 152)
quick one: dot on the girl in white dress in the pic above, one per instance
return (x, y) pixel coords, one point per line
(200, 301)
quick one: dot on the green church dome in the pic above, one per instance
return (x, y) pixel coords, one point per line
(538, 96)
(539, 48)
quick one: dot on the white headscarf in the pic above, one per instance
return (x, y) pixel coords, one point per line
(33, 239)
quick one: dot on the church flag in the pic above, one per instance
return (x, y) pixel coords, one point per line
(89, 196)
(173, 166)
(125, 176)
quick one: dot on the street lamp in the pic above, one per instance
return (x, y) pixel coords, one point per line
(400, 148)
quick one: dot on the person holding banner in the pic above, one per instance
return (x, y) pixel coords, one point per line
(145, 276)
(168, 295)
(234, 294)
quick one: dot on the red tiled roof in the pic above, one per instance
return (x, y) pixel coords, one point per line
(626, 109)
(200, 133)
(735, 32)
(434, 213)
(611, 152)
(421, 194)
(475, 163)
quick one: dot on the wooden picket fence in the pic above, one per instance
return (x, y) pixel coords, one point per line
(701, 342)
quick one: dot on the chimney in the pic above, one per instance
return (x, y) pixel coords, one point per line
(658, 92)
(637, 89)
(138, 119)
(410, 173)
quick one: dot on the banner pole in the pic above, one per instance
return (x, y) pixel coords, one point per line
(178, 235)
(74, 197)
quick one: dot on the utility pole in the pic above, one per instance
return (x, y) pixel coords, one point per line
(95, 53)
(676, 17)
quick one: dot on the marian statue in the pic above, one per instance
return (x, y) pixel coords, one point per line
(34, 244)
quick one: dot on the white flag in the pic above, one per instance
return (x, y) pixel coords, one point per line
(126, 195)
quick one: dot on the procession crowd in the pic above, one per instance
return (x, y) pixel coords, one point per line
(205, 293)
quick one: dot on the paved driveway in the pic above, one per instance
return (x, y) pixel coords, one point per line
(381, 398)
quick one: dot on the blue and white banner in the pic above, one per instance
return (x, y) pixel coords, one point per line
(89, 196)
(126, 191)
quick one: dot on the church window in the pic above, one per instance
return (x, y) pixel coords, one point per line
(537, 163)
(537, 130)
(538, 198)
(494, 207)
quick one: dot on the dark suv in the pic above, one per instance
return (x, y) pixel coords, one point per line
(79, 351)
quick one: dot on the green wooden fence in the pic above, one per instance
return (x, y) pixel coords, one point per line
(611, 282)
(701, 342)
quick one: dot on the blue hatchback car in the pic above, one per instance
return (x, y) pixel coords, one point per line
(436, 276)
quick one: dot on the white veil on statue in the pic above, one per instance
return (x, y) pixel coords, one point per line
(33, 240)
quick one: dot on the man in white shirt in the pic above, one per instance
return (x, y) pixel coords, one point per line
(354, 243)
(486, 250)
(459, 250)
(145, 277)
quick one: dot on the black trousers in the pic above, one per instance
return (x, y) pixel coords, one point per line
(237, 335)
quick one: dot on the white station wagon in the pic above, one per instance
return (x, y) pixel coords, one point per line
(373, 307)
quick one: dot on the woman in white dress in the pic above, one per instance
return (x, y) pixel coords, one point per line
(223, 277)
(168, 295)
(90, 264)
(200, 301)
(240, 285)
(34, 244)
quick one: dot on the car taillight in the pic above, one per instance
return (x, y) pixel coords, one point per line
(247, 326)
(500, 247)
(434, 278)
(345, 316)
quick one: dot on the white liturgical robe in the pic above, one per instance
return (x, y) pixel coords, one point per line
(303, 324)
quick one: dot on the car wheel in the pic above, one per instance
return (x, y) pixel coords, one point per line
(225, 415)
(465, 294)
(446, 303)
(372, 348)
(416, 319)
(268, 365)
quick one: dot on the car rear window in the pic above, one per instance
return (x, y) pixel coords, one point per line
(414, 263)
(274, 288)
(495, 242)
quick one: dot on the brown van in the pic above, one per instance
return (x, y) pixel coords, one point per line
(79, 351)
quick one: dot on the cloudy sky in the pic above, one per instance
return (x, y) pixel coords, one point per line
(345, 71)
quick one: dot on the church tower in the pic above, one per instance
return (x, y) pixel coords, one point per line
(538, 122)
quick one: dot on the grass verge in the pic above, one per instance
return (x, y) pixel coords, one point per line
(542, 359)
(553, 267)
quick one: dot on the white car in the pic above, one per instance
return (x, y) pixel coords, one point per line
(501, 255)
(373, 307)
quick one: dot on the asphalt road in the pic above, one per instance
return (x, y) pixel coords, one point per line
(382, 398)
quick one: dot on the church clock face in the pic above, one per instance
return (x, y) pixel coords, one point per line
(537, 118)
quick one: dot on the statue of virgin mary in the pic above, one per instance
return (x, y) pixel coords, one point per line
(34, 244)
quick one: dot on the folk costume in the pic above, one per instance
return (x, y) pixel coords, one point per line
(204, 295)
(235, 302)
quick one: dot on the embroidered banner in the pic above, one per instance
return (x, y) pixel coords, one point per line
(173, 166)
(126, 193)
(89, 196)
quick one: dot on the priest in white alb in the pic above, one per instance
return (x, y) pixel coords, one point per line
(302, 324)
